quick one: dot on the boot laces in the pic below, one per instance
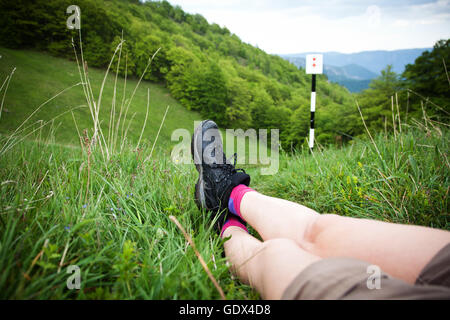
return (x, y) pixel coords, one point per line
(228, 167)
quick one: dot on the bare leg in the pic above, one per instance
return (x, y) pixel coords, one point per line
(400, 250)
(277, 218)
(268, 266)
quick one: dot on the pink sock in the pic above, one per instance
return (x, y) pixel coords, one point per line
(234, 204)
(232, 222)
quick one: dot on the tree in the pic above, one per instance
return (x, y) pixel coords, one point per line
(376, 102)
(298, 126)
(211, 93)
(429, 77)
(144, 50)
(261, 102)
(239, 99)
(126, 57)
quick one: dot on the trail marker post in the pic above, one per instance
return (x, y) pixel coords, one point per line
(314, 65)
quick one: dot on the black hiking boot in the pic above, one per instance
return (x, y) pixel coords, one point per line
(217, 176)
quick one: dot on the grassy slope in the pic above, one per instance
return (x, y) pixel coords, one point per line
(118, 232)
(39, 77)
(408, 182)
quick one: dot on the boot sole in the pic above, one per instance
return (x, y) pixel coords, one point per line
(196, 148)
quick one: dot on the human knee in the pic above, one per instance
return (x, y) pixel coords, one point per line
(319, 225)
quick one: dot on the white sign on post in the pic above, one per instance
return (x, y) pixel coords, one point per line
(314, 63)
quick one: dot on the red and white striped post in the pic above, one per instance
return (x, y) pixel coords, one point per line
(314, 65)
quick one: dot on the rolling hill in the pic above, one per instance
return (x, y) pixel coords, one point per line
(355, 70)
(39, 77)
(206, 68)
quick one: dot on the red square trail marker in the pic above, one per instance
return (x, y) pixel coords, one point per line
(314, 65)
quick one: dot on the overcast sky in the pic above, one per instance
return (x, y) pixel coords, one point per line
(289, 26)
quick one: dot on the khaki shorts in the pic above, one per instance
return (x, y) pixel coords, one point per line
(348, 279)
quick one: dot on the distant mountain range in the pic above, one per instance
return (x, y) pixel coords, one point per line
(355, 70)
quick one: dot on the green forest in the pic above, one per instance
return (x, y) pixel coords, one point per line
(211, 71)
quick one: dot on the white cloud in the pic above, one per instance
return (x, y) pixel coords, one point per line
(334, 25)
(401, 23)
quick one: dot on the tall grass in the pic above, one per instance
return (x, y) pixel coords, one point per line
(402, 178)
(120, 235)
(103, 207)
(108, 145)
